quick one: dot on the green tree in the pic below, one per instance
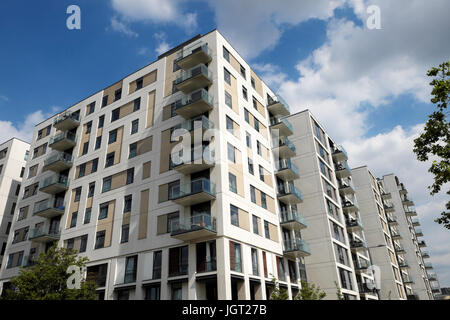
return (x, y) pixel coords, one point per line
(434, 141)
(277, 293)
(47, 278)
(310, 292)
(339, 294)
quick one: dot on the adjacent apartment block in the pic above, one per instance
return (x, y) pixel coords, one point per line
(417, 279)
(340, 256)
(169, 182)
(13, 156)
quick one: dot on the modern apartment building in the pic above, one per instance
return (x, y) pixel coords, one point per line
(13, 156)
(340, 256)
(382, 234)
(417, 281)
(169, 182)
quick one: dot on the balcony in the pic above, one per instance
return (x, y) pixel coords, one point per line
(392, 220)
(191, 56)
(285, 148)
(388, 208)
(339, 154)
(425, 254)
(198, 227)
(432, 276)
(410, 212)
(54, 184)
(296, 248)
(289, 194)
(358, 245)
(353, 224)
(193, 126)
(58, 161)
(196, 191)
(286, 170)
(407, 202)
(418, 232)
(395, 234)
(350, 206)
(278, 107)
(193, 79)
(402, 189)
(346, 188)
(49, 208)
(194, 104)
(428, 265)
(422, 244)
(283, 126)
(63, 141)
(361, 265)
(403, 264)
(413, 296)
(407, 280)
(343, 170)
(415, 222)
(386, 195)
(28, 261)
(292, 220)
(199, 160)
(40, 235)
(399, 249)
(67, 121)
(363, 288)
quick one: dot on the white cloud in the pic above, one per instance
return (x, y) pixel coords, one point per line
(156, 11)
(121, 27)
(162, 47)
(24, 130)
(142, 51)
(271, 75)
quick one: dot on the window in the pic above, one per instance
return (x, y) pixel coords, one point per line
(261, 173)
(73, 221)
(235, 257)
(134, 126)
(230, 125)
(246, 115)
(130, 175)
(263, 200)
(244, 93)
(70, 243)
(91, 108)
(87, 215)
(133, 150)
(125, 233)
(266, 230)
(137, 104)
(82, 170)
(243, 73)
(176, 292)
(250, 166)
(345, 277)
(256, 125)
(8, 228)
(3, 153)
(22, 213)
(13, 208)
(106, 184)
(178, 261)
(139, 83)
(109, 159)
(157, 261)
(153, 292)
(227, 76)
(248, 139)
(104, 101)
(253, 82)
(176, 67)
(232, 182)
(112, 136)
(100, 239)
(117, 94)
(174, 87)
(85, 148)
(234, 214)
(255, 104)
(91, 189)
(77, 194)
(88, 127)
(98, 142)
(172, 221)
(255, 224)
(226, 54)
(231, 153)
(83, 243)
(115, 114)
(127, 203)
(101, 121)
(258, 147)
(22, 171)
(94, 165)
(252, 194)
(103, 211)
(17, 189)
(228, 99)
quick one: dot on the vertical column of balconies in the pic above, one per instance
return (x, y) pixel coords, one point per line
(56, 184)
(194, 106)
(291, 221)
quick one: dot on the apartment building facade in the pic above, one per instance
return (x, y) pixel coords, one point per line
(382, 234)
(13, 156)
(170, 183)
(335, 233)
(417, 280)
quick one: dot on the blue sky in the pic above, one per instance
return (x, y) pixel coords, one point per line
(318, 55)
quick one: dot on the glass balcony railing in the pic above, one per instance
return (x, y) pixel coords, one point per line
(358, 244)
(195, 96)
(40, 232)
(343, 166)
(354, 223)
(194, 223)
(418, 231)
(286, 142)
(69, 136)
(348, 204)
(192, 124)
(361, 264)
(207, 265)
(68, 115)
(196, 157)
(339, 150)
(399, 248)
(54, 179)
(278, 120)
(278, 99)
(289, 215)
(296, 245)
(57, 156)
(428, 265)
(193, 187)
(344, 184)
(286, 164)
(287, 189)
(197, 53)
(200, 69)
(392, 218)
(403, 264)
(49, 204)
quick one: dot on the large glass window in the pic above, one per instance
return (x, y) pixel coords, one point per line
(234, 214)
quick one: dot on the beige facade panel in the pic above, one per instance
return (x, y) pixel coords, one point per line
(232, 90)
(33, 171)
(148, 79)
(236, 169)
(273, 232)
(116, 147)
(167, 112)
(73, 207)
(111, 90)
(119, 180)
(161, 224)
(163, 192)
(170, 74)
(143, 214)
(144, 145)
(107, 223)
(261, 108)
(244, 220)
(258, 83)
(166, 149)
(146, 170)
(151, 109)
